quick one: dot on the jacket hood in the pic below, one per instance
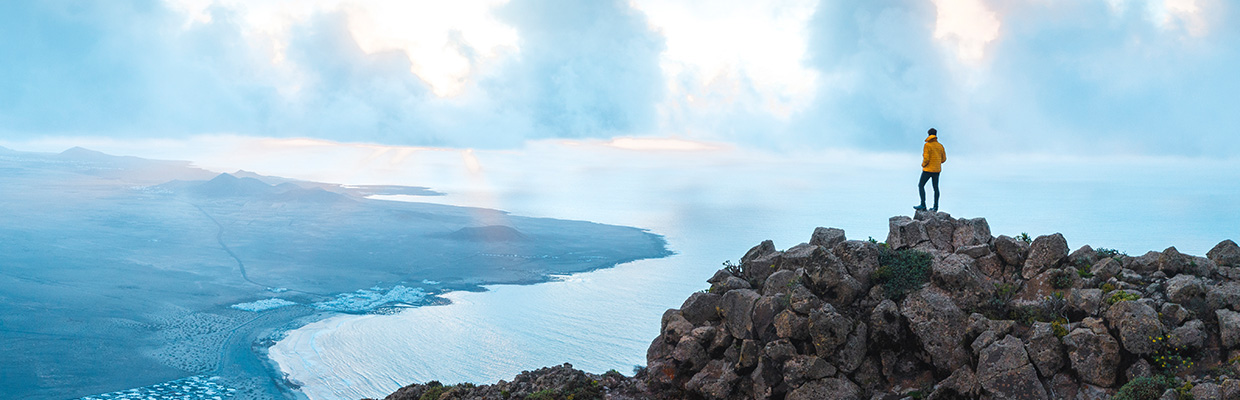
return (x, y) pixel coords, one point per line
(932, 138)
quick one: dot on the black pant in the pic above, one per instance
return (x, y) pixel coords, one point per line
(921, 187)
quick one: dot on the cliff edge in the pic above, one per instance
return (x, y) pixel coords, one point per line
(940, 310)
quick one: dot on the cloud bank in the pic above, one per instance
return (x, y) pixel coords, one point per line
(1049, 76)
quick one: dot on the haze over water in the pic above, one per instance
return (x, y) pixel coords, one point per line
(712, 205)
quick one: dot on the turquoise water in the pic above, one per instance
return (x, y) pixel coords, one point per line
(712, 206)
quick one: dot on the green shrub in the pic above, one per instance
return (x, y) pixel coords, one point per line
(1144, 388)
(434, 389)
(1024, 237)
(1104, 252)
(1059, 328)
(733, 269)
(1119, 296)
(1061, 279)
(1108, 287)
(901, 271)
(545, 394)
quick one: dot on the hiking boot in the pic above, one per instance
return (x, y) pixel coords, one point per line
(935, 209)
(919, 208)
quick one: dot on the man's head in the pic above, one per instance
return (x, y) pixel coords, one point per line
(933, 132)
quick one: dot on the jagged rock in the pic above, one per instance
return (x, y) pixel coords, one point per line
(940, 232)
(974, 251)
(748, 356)
(1183, 288)
(827, 388)
(1093, 353)
(690, 353)
(860, 257)
(1146, 263)
(804, 254)
(971, 232)
(1191, 336)
(675, 326)
(790, 325)
(831, 281)
(760, 262)
(827, 237)
(961, 384)
(956, 274)
(1137, 324)
(1175, 313)
(802, 300)
(1091, 392)
(781, 282)
(992, 266)
(705, 335)
(765, 382)
(1224, 295)
(700, 308)
(722, 339)
(984, 340)
(729, 284)
(737, 306)
(1063, 386)
(1230, 389)
(828, 330)
(801, 368)
(765, 248)
(886, 324)
(1139, 369)
(852, 353)
(1012, 250)
(1229, 327)
(1087, 301)
(1046, 251)
(939, 325)
(764, 312)
(1225, 254)
(868, 375)
(1045, 350)
(779, 351)
(1206, 391)
(1085, 255)
(715, 381)
(906, 232)
(1171, 262)
(1106, 269)
(1204, 266)
(1004, 371)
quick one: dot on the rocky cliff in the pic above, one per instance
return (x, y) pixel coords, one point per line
(941, 310)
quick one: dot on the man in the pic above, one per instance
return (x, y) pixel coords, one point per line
(932, 158)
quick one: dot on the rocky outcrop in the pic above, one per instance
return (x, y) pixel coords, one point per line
(943, 310)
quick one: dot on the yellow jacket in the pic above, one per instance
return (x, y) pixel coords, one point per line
(932, 155)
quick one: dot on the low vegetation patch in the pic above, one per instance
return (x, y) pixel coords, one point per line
(902, 271)
(1119, 296)
(1144, 388)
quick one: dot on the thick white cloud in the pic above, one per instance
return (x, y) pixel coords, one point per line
(1026, 75)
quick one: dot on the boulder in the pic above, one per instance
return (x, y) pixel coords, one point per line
(801, 368)
(992, 266)
(1143, 264)
(701, 307)
(940, 231)
(715, 381)
(1045, 350)
(1171, 262)
(737, 308)
(1175, 313)
(1086, 301)
(803, 300)
(1138, 369)
(1191, 336)
(957, 275)
(828, 330)
(831, 281)
(1083, 256)
(728, 284)
(790, 325)
(1106, 269)
(974, 251)
(827, 237)
(827, 388)
(779, 351)
(850, 355)
(1004, 371)
(886, 324)
(781, 282)
(1137, 324)
(860, 257)
(748, 355)
(962, 383)
(675, 326)
(1093, 353)
(1225, 254)
(971, 232)
(764, 312)
(690, 354)
(1206, 391)
(1224, 295)
(765, 248)
(1228, 327)
(939, 325)
(905, 232)
(1045, 252)
(1184, 288)
(1012, 250)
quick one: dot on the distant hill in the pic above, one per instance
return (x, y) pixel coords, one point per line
(490, 233)
(226, 185)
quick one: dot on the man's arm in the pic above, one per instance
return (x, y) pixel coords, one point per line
(925, 155)
(943, 152)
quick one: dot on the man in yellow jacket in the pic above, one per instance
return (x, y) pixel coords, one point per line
(932, 158)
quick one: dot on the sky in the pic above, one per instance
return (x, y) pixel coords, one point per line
(1080, 77)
